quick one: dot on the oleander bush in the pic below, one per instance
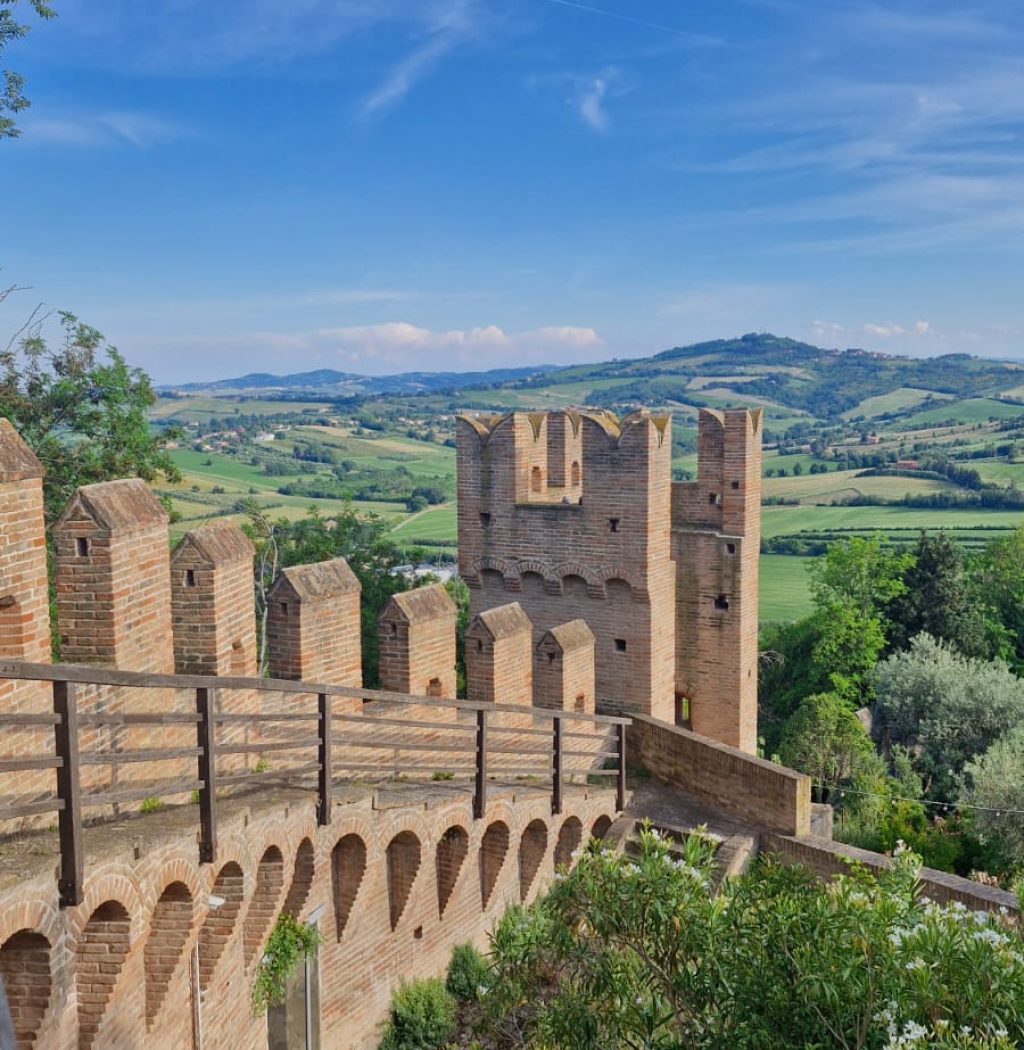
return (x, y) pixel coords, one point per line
(637, 952)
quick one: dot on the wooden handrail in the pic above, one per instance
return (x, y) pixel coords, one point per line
(85, 674)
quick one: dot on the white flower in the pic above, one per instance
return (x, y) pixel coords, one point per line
(915, 964)
(990, 937)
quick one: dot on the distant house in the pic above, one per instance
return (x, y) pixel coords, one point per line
(907, 464)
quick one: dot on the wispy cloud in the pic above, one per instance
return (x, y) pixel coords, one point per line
(140, 130)
(591, 102)
(449, 25)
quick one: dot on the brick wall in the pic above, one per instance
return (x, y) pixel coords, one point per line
(24, 606)
(402, 885)
(563, 662)
(313, 625)
(755, 791)
(417, 643)
(499, 650)
(826, 858)
(716, 541)
(598, 550)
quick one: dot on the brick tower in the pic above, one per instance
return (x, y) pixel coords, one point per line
(212, 602)
(313, 624)
(499, 648)
(417, 643)
(569, 514)
(113, 578)
(716, 541)
(563, 668)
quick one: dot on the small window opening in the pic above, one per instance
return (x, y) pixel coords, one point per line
(536, 480)
(479, 646)
(434, 687)
(551, 658)
(620, 645)
(190, 577)
(735, 484)
(394, 628)
(418, 933)
(581, 701)
(82, 546)
(485, 518)
(721, 602)
(712, 497)
(575, 473)
(730, 548)
(682, 709)
(613, 524)
(284, 608)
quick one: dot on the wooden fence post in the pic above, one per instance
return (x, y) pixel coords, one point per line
(69, 820)
(324, 802)
(620, 784)
(556, 767)
(480, 794)
(205, 738)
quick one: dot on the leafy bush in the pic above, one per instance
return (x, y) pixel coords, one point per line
(422, 1017)
(637, 952)
(468, 973)
(289, 942)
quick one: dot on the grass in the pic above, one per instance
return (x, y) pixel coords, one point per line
(201, 408)
(435, 523)
(784, 521)
(825, 488)
(895, 401)
(785, 593)
(970, 410)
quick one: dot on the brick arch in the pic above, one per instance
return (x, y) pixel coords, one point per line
(532, 846)
(620, 588)
(493, 848)
(169, 927)
(452, 850)
(160, 872)
(601, 826)
(575, 568)
(220, 922)
(570, 836)
(348, 866)
(492, 563)
(26, 973)
(302, 879)
(262, 907)
(403, 863)
(102, 948)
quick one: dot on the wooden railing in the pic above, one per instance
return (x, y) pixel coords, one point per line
(469, 737)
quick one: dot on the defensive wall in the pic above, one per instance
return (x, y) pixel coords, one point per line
(402, 821)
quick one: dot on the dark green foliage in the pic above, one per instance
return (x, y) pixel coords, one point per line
(468, 973)
(939, 601)
(422, 1017)
(12, 100)
(82, 410)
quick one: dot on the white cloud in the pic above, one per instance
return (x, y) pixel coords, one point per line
(451, 24)
(120, 127)
(921, 327)
(883, 331)
(399, 345)
(592, 104)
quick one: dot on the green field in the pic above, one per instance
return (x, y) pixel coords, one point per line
(197, 408)
(839, 484)
(970, 410)
(895, 401)
(785, 593)
(436, 523)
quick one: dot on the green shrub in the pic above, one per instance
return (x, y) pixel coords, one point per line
(151, 805)
(289, 942)
(468, 973)
(422, 1017)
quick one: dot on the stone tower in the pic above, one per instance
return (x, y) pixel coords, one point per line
(569, 514)
(716, 542)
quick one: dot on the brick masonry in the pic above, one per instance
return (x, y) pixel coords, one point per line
(417, 643)
(575, 516)
(499, 650)
(563, 668)
(402, 885)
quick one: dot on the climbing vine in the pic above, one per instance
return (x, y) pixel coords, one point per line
(289, 942)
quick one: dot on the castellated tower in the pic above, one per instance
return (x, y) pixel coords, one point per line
(569, 514)
(716, 541)
(113, 578)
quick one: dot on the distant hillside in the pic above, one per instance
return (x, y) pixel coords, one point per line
(791, 378)
(328, 382)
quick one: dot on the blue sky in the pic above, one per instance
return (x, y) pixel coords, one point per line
(382, 185)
